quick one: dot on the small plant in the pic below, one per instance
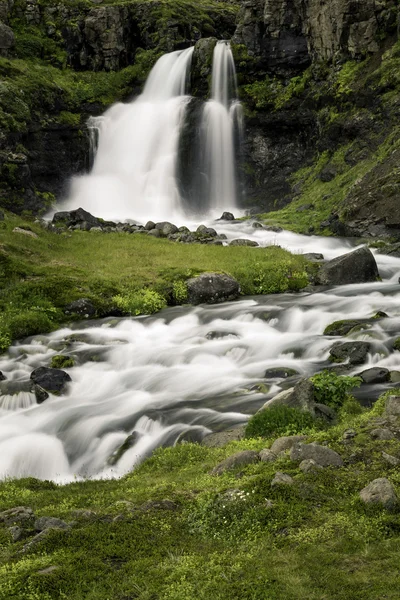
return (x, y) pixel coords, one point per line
(333, 390)
(280, 420)
(180, 293)
(140, 302)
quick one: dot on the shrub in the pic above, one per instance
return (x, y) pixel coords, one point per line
(140, 302)
(333, 390)
(180, 292)
(280, 420)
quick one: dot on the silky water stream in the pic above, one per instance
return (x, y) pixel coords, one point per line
(182, 372)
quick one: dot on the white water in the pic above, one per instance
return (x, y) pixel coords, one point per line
(163, 376)
(136, 148)
(221, 116)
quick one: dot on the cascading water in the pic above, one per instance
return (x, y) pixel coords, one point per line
(222, 118)
(147, 382)
(133, 174)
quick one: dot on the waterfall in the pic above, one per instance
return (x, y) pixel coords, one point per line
(134, 147)
(133, 172)
(222, 118)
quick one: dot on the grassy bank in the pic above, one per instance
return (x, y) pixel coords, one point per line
(313, 540)
(40, 275)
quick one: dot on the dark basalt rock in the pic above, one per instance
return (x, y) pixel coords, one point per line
(354, 352)
(212, 288)
(244, 242)
(52, 380)
(76, 217)
(226, 216)
(358, 266)
(82, 307)
(279, 373)
(375, 375)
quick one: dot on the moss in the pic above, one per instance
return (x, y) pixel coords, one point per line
(62, 362)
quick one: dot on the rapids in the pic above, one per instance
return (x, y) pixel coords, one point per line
(183, 372)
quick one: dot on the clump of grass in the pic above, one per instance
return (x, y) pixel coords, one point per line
(280, 420)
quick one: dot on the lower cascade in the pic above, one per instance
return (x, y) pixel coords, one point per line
(141, 383)
(136, 146)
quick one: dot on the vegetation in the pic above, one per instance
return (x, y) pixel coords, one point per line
(280, 420)
(227, 537)
(135, 274)
(333, 390)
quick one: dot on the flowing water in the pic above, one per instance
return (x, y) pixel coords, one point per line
(183, 372)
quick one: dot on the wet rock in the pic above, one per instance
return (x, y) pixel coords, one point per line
(281, 479)
(202, 66)
(300, 396)
(207, 231)
(313, 256)
(150, 225)
(392, 460)
(267, 455)
(240, 459)
(52, 380)
(286, 443)
(166, 228)
(322, 455)
(340, 328)
(129, 442)
(325, 412)
(310, 466)
(40, 394)
(355, 352)
(19, 515)
(212, 288)
(222, 438)
(2, 376)
(375, 375)
(226, 216)
(358, 266)
(44, 523)
(280, 373)
(219, 335)
(382, 434)
(244, 242)
(392, 406)
(380, 491)
(82, 307)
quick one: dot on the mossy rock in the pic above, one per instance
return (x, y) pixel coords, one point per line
(59, 361)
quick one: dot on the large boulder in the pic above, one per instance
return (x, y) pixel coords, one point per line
(358, 266)
(166, 228)
(301, 396)
(52, 380)
(375, 375)
(320, 454)
(379, 491)
(244, 242)
(212, 288)
(286, 443)
(354, 352)
(6, 39)
(76, 217)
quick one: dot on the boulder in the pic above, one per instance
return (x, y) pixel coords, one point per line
(354, 352)
(382, 433)
(286, 443)
(19, 515)
(75, 218)
(82, 307)
(166, 228)
(267, 455)
(313, 256)
(240, 459)
(391, 460)
(155, 233)
(222, 438)
(280, 373)
(226, 216)
(27, 232)
(50, 523)
(301, 396)
(150, 225)
(358, 266)
(7, 39)
(340, 328)
(207, 231)
(17, 533)
(281, 479)
(243, 242)
(309, 466)
(392, 406)
(52, 380)
(379, 491)
(375, 375)
(212, 288)
(322, 455)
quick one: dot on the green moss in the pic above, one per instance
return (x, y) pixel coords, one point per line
(396, 344)
(280, 420)
(62, 362)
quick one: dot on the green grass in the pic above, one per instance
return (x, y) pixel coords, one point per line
(138, 274)
(317, 541)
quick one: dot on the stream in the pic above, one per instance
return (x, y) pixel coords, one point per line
(184, 372)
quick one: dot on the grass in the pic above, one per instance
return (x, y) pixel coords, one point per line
(316, 541)
(40, 276)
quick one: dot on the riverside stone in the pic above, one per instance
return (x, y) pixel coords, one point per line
(375, 375)
(354, 352)
(82, 307)
(392, 460)
(44, 523)
(52, 380)
(380, 491)
(320, 454)
(310, 466)
(358, 266)
(267, 455)
(286, 443)
(240, 459)
(222, 438)
(244, 242)
(212, 288)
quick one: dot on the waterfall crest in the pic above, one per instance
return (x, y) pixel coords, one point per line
(135, 147)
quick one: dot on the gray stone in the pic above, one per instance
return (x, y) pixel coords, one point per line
(240, 459)
(82, 307)
(54, 381)
(244, 242)
(382, 434)
(50, 523)
(393, 406)
(313, 256)
(150, 225)
(24, 231)
(320, 454)
(280, 373)
(354, 352)
(7, 39)
(281, 479)
(155, 233)
(309, 466)
(166, 228)
(349, 434)
(392, 460)
(36, 540)
(267, 455)
(380, 491)
(19, 515)
(301, 396)
(358, 266)
(375, 375)
(227, 216)
(286, 443)
(212, 288)
(222, 438)
(16, 533)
